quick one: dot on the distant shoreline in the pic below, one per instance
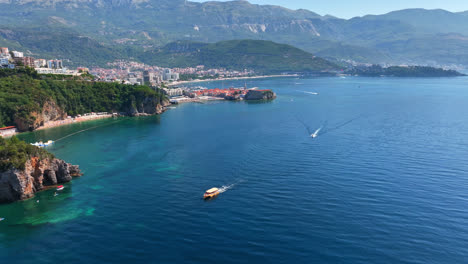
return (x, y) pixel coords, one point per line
(233, 78)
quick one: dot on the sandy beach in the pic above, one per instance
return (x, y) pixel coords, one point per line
(68, 121)
(234, 78)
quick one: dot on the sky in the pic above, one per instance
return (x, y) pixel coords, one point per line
(352, 8)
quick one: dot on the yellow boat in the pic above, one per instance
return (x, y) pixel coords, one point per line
(211, 193)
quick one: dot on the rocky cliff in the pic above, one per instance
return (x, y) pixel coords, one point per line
(38, 174)
(260, 95)
(49, 112)
(148, 106)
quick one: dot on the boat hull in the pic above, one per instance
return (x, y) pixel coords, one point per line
(209, 196)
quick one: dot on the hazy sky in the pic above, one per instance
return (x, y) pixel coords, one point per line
(351, 8)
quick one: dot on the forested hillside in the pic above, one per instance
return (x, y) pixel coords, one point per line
(24, 93)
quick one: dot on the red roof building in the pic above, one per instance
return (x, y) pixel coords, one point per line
(7, 131)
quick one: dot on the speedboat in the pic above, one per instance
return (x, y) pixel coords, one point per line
(1, 219)
(211, 193)
(60, 187)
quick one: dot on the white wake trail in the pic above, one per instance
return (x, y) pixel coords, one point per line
(227, 187)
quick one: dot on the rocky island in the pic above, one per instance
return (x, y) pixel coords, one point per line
(26, 169)
(255, 95)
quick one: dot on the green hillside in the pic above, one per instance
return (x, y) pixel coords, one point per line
(261, 56)
(147, 24)
(23, 93)
(59, 42)
(398, 71)
(76, 50)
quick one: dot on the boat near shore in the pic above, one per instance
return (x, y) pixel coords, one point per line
(42, 144)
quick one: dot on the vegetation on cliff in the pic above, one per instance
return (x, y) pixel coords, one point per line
(255, 95)
(23, 94)
(14, 153)
(96, 31)
(398, 71)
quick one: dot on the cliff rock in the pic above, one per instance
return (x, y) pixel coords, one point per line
(260, 95)
(38, 174)
(149, 106)
(49, 112)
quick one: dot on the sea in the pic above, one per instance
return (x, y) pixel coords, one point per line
(335, 170)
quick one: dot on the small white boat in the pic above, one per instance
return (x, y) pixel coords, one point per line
(61, 187)
(1, 219)
(43, 145)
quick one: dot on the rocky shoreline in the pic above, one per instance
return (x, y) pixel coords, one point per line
(53, 116)
(37, 175)
(40, 174)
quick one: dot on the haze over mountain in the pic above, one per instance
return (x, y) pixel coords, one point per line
(406, 36)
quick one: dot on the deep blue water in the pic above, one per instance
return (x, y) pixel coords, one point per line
(385, 181)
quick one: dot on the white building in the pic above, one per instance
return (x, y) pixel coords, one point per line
(8, 131)
(3, 61)
(18, 54)
(174, 91)
(55, 64)
(133, 80)
(168, 75)
(63, 71)
(40, 63)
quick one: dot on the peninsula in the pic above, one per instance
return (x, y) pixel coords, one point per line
(402, 71)
(29, 100)
(26, 169)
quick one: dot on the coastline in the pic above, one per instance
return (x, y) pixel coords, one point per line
(69, 121)
(233, 78)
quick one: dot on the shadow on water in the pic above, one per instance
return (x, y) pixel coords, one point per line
(254, 102)
(47, 207)
(210, 200)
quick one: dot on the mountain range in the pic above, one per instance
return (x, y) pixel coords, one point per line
(412, 36)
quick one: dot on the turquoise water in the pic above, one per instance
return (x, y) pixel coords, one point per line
(385, 180)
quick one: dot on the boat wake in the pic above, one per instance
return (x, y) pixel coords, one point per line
(325, 129)
(224, 188)
(305, 125)
(312, 93)
(341, 125)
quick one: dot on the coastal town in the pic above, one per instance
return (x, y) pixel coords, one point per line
(13, 59)
(121, 71)
(170, 81)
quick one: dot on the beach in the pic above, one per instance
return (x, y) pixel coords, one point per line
(234, 78)
(68, 121)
